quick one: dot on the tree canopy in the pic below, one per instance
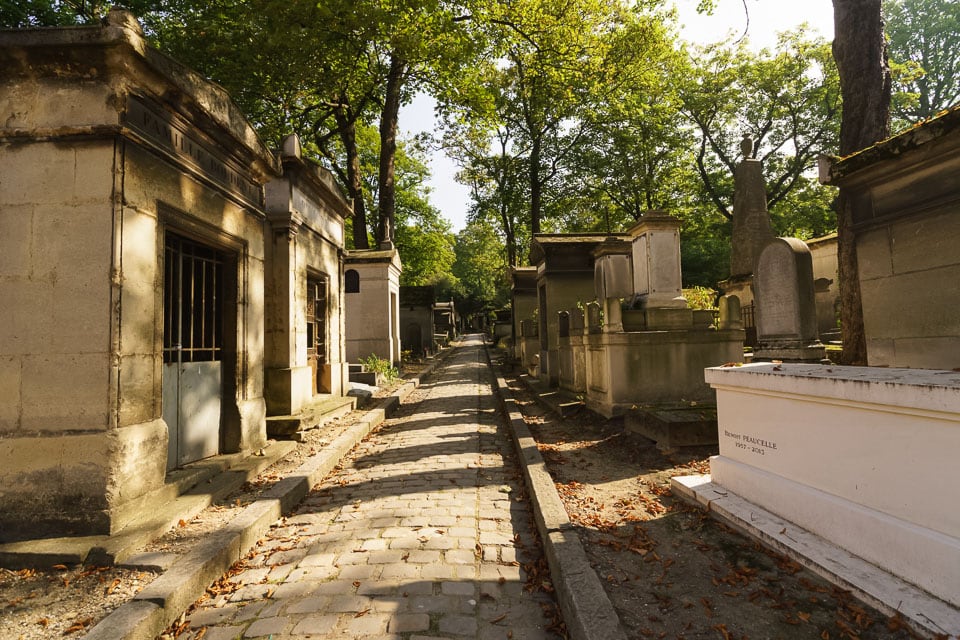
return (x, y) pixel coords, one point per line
(925, 56)
(575, 116)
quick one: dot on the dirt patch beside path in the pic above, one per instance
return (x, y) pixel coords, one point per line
(670, 570)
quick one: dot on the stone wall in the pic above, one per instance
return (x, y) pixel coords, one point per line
(907, 231)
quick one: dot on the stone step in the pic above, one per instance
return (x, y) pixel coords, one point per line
(186, 493)
(312, 415)
(672, 427)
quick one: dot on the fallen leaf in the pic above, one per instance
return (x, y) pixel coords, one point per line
(79, 625)
(113, 586)
(498, 619)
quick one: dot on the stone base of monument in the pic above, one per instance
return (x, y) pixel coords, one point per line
(643, 368)
(856, 455)
(573, 374)
(672, 427)
(790, 351)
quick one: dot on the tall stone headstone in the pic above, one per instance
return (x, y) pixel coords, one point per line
(751, 221)
(785, 304)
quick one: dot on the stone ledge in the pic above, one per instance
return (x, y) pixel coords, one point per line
(313, 415)
(191, 490)
(925, 389)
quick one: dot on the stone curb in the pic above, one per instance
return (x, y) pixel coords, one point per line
(587, 610)
(158, 605)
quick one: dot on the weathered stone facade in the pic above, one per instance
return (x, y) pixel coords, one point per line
(372, 304)
(304, 325)
(119, 170)
(652, 354)
(907, 235)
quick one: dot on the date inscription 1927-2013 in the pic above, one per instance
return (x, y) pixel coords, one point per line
(750, 443)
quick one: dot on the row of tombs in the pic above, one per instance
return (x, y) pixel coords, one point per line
(157, 261)
(170, 285)
(857, 455)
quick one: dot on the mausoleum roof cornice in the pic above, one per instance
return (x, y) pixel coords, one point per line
(935, 135)
(117, 55)
(545, 245)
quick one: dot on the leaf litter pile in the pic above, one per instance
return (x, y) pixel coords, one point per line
(63, 601)
(669, 569)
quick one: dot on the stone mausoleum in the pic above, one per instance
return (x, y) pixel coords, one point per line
(305, 354)
(565, 279)
(131, 273)
(372, 304)
(416, 319)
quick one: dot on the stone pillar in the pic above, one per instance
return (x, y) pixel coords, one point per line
(593, 317)
(656, 261)
(730, 317)
(751, 221)
(612, 315)
(785, 304)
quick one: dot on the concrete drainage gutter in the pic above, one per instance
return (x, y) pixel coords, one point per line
(158, 605)
(587, 610)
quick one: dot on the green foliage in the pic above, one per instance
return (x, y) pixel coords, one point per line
(576, 116)
(700, 297)
(704, 248)
(481, 269)
(381, 367)
(787, 101)
(423, 236)
(19, 14)
(924, 47)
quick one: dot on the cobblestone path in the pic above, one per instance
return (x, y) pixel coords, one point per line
(421, 534)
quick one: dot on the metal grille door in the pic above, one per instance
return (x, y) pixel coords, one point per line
(192, 349)
(317, 349)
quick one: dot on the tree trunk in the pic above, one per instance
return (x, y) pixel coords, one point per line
(347, 129)
(535, 186)
(388, 150)
(509, 237)
(860, 51)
